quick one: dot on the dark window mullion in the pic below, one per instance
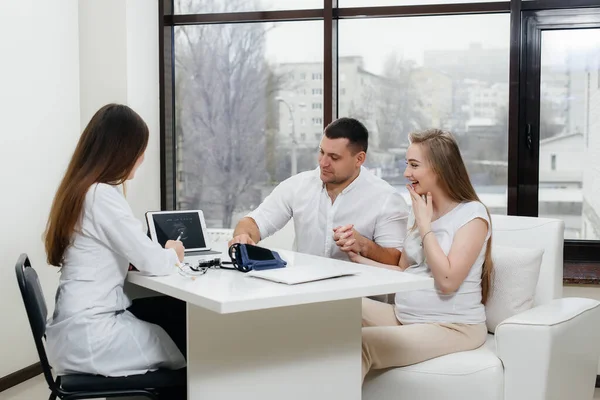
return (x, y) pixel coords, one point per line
(528, 142)
(425, 9)
(514, 106)
(329, 61)
(244, 17)
(166, 112)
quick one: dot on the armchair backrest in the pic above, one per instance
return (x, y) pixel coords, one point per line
(532, 232)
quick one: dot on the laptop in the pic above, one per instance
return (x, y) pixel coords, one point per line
(188, 226)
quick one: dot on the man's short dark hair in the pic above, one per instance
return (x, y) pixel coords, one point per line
(351, 129)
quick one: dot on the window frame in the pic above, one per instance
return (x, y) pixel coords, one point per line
(534, 22)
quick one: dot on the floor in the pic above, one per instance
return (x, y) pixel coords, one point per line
(36, 388)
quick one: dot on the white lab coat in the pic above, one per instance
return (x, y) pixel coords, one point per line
(90, 331)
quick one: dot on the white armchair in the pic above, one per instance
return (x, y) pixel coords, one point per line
(550, 351)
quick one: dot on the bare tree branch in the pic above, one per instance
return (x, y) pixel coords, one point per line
(223, 96)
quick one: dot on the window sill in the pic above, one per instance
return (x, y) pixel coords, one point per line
(581, 273)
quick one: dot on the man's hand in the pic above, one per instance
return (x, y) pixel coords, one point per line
(361, 249)
(243, 238)
(348, 239)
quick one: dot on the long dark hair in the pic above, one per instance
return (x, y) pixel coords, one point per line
(446, 162)
(107, 151)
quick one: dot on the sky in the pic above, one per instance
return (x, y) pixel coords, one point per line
(556, 45)
(374, 39)
(408, 37)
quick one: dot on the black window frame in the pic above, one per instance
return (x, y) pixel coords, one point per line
(535, 20)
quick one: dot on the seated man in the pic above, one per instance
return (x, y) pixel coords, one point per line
(337, 207)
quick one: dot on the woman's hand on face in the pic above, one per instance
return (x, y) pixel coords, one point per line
(422, 209)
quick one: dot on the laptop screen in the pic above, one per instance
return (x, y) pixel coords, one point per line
(186, 226)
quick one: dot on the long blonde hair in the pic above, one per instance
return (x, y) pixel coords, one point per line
(446, 162)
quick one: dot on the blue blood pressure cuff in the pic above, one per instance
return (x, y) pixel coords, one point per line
(247, 257)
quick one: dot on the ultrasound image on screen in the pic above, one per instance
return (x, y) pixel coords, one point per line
(187, 225)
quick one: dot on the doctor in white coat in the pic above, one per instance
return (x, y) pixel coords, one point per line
(94, 237)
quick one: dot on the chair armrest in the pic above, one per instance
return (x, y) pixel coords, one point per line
(551, 351)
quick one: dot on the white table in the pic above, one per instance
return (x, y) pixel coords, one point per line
(250, 338)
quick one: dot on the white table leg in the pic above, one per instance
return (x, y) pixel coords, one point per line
(305, 352)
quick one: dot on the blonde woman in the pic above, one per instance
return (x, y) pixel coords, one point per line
(449, 240)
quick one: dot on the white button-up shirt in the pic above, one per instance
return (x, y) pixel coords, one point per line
(376, 209)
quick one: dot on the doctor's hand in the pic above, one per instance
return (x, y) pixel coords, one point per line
(243, 238)
(348, 239)
(177, 246)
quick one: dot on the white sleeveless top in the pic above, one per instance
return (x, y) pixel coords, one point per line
(430, 305)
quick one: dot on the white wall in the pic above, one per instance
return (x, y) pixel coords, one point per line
(102, 55)
(47, 47)
(143, 96)
(39, 117)
(119, 63)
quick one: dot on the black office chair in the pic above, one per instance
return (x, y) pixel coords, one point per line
(83, 386)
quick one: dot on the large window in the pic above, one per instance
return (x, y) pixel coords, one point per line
(248, 85)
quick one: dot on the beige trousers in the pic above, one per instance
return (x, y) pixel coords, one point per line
(387, 343)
